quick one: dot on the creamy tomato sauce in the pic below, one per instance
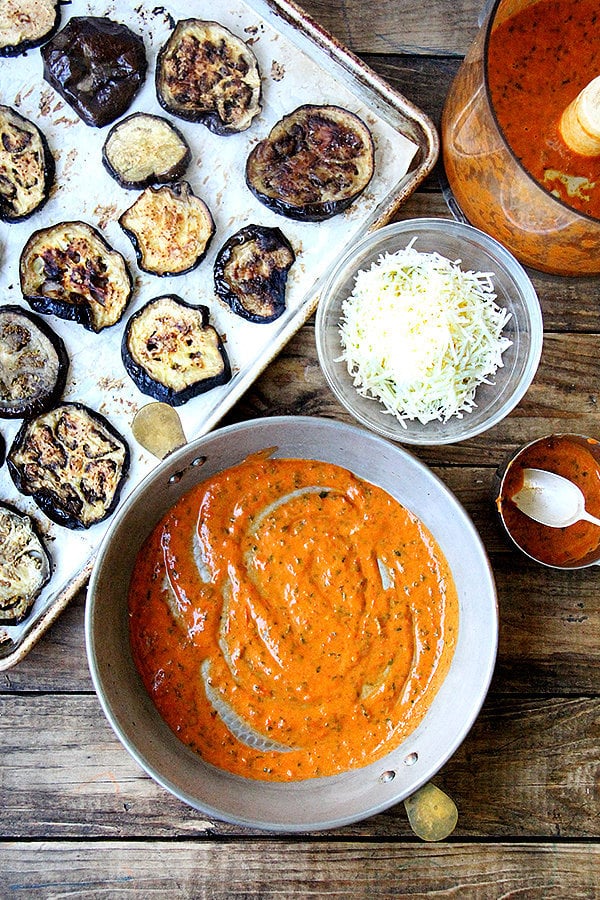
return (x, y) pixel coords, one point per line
(291, 620)
(578, 460)
(538, 62)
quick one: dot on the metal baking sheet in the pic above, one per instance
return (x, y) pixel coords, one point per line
(299, 63)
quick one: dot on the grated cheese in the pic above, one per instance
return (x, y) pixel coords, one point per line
(419, 334)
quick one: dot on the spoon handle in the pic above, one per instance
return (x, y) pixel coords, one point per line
(589, 517)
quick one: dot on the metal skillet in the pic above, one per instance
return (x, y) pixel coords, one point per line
(311, 804)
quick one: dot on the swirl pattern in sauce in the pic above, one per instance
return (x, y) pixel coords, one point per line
(291, 620)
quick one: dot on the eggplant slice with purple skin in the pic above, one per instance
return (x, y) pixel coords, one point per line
(26, 24)
(170, 227)
(72, 462)
(144, 149)
(25, 565)
(172, 353)
(97, 66)
(251, 272)
(26, 166)
(33, 364)
(204, 73)
(314, 163)
(68, 270)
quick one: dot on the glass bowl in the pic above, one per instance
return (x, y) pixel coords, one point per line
(476, 251)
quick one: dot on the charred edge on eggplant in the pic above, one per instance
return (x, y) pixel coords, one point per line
(144, 149)
(72, 462)
(97, 66)
(33, 364)
(26, 166)
(206, 74)
(26, 24)
(251, 272)
(2, 450)
(170, 228)
(25, 566)
(68, 270)
(172, 353)
(314, 163)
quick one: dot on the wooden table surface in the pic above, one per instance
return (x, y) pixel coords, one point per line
(79, 818)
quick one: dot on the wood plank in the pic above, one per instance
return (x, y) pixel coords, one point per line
(401, 27)
(253, 869)
(563, 397)
(529, 767)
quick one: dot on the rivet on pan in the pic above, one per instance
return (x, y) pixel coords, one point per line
(199, 461)
(411, 759)
(177, 476)
(387, 776)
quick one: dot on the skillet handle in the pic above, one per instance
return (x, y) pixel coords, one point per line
(157, 427)
(432, 814)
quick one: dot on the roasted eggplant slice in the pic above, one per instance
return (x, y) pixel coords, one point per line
(68, 270)
(26, 166)
(97, 66)
(170, 228)
(33, 364)
(25, 566)
(172, 352)
(144, 149)
(206, 74)
(25, 24)
(314, 163)
(251, 272)
(72, 462)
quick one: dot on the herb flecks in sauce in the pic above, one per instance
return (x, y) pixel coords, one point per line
(538, 61)
(291, 620)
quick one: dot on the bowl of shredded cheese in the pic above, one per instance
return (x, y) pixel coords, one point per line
(429, 331)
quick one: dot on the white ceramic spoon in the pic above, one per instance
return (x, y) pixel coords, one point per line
(551, 499)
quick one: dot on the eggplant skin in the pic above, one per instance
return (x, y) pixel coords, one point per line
(72, 462)
(170, 228)
(33, 364)
(251, 272)
(26, 24)
(206, 74)
(97, 66)
(70, 271)
(314, 163)
(27, 167)
(144, 149)
(172, 352)
(25, 564)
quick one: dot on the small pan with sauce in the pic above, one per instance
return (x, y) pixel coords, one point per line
(312, 802)
(576, 458)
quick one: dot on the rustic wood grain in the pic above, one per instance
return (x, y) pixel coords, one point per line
(253, 869)
(527, 768)
(401, 27)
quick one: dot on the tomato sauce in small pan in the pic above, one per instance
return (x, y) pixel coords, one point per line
(291, 620)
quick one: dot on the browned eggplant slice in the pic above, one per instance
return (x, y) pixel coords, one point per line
(72, 462)
(143, 149)
(206, 74)
(33, 364)
(26, 166)
(251, 272)
(170, 227)
(171, 351)
(315, 162)
(25, 566)
(97, 66)
(25, 24)
(68, 270)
